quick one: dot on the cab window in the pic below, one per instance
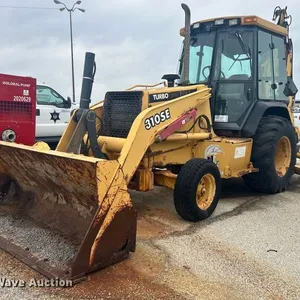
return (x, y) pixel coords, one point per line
(201, 53)
(280, 77)
(234, 59)
(200, 62)
(271, 67)
(47, 96)
(236, 71)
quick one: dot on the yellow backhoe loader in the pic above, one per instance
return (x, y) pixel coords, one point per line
(227, 113)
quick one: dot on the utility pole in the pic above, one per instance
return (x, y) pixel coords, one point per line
(71, 10)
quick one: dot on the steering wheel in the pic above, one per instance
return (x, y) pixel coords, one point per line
(209, 67)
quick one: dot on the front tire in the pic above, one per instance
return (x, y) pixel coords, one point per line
(197, 189)
(274, 154)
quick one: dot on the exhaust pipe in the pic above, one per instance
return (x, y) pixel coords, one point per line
(187, 33)
(89, 72)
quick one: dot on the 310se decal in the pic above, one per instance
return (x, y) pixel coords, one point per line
(157, 119)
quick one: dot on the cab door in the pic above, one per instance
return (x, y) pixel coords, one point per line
(53, 113)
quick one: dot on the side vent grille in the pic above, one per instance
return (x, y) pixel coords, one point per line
(120, 111)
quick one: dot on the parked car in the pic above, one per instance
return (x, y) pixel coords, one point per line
(296, 111)
(53, 113)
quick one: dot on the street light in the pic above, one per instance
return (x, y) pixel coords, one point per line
(70, 10)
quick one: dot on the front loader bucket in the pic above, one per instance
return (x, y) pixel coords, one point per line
(64, 215)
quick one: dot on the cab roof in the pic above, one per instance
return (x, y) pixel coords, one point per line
(247, 20)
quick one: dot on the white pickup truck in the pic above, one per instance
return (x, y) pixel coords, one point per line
(53, 113)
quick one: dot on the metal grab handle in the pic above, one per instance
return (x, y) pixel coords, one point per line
(147, 85)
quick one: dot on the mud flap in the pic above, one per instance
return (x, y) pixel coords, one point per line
(65, 215)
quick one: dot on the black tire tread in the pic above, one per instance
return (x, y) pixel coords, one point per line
(185, 188)
(265, 180)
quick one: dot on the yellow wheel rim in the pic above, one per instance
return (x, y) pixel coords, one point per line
(206, 191)
(283, 156)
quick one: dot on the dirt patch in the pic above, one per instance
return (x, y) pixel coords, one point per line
(131, 279)
(149, 228)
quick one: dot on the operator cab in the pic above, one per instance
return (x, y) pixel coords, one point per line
(243, 60)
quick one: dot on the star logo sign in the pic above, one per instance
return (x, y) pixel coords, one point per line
(54, 116)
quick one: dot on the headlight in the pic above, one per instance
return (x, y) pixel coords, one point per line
(9, 135)
(219, 22)
(233, 22)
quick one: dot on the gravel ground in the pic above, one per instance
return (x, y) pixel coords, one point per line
(247, 250)
(39, 241)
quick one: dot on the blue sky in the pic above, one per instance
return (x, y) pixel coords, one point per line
(135, 41)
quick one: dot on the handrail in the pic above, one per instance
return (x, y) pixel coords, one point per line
(147, 85)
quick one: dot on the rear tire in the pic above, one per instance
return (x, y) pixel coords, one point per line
(197, 189)
(274, 154)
